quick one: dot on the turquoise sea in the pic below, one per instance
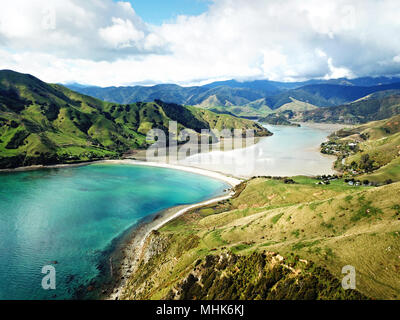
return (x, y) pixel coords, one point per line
(69, 218)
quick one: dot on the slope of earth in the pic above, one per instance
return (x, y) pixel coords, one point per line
(374, 107)
(251, 95)
(300, 234)
(253, 110)
(369, 152)
(277, 119)
(47, 124)
(296, 106)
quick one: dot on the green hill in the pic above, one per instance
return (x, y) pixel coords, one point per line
(369, 152)
(318, 92)
(277, 240)
(46, 124)
(374, 107)
(296, 106)
(288, 238)
(255, 109)
(277, 119)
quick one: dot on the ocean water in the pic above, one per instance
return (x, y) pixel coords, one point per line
(69, 217)
(290, 151)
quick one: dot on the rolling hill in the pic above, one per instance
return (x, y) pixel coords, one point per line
(277, 119)
(275, 240)
(250, 98)
(370, 152)
(252, 110)
(296, 106)
(288, 238)
(46, 124)
(376, 106)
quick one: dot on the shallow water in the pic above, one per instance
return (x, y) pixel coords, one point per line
(290, 151)
(72, 215)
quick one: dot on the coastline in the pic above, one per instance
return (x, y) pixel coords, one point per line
(325, 126)
(231, 180)
(132, 248)
(123, 259)
(53, 166)
(132, 245)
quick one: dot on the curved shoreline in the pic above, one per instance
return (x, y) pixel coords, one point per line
(130, 249)
(231, 180)
(133, 247)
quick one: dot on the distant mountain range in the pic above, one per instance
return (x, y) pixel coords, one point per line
(43, 123)
(251, 98)
(376, 106)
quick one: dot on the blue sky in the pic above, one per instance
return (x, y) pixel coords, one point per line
(159, 11)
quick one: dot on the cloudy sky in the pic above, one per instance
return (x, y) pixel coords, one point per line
(106, 42)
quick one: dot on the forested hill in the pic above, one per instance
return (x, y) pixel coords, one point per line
(377, 106)
(43, 123)
(249, 98)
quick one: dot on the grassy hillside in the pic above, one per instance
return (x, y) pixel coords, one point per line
(373, 107)
(228, 276)
(320, 103)
(387, 173)
(47, 124)
(319, 92)
(296, 106)
(254, 109)
(368, 152)
(257, 108)
(325, 95)
(222, 121)
(276, 239)
(277, 119)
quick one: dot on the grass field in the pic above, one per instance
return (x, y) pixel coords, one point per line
(331, 225)
(376, 158)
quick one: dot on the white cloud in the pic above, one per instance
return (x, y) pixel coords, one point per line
(92, 29)
(122, 34)
(107, 43)
(336, 72)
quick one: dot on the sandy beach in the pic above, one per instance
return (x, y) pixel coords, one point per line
(130, 248)
(133, 245)
(231, 180)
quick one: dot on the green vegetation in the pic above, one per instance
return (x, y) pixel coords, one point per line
(385, 174)
(47, 124)
(261, 97)
(253, 109)
(273, 235)
(369, 153)
(260, 276)
(277, 119)
(296, 106)
(374, 107)
(222, 121)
